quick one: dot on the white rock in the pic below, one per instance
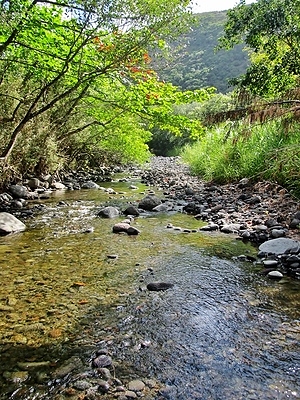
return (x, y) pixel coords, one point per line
(10, 224)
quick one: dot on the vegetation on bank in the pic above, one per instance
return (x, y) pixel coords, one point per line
(261, 152)
(77, 87)
(260, 136)
(81, 85)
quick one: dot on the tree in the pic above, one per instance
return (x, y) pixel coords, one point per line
(76, 66)
(271, 30)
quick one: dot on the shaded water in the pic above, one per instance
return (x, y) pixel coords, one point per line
(221, 332)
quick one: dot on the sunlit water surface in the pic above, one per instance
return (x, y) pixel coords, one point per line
(222, 331)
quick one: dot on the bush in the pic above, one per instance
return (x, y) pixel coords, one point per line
(232, 152)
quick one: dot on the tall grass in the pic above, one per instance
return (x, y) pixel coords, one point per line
(229, 153)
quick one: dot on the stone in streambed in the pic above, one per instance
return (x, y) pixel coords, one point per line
(149, 202)
(19, 191)
(109, 212)
(90, 185)
(131, 210)
(68, 366)
(231, 228)
(102, 361)
(159, 286)
(277, 275)
(125, 227)
(10, 224)
(136, 385)
(280, 246)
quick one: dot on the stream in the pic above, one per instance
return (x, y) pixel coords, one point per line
(71, 286)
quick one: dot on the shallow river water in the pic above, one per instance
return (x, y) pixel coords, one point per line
(221, 332)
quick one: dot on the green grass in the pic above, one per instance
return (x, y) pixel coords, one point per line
(267, 152)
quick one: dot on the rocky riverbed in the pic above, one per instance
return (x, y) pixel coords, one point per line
(255, 212)
(262, 213)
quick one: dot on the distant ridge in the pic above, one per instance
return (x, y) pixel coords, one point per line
(198, 64)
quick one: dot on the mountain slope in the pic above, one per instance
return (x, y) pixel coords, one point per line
(197, 64)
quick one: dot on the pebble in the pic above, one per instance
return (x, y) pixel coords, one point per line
(275, 275)
(102, 361)
(130, 394)
(136, 385)
(82, 385)
(270, 263)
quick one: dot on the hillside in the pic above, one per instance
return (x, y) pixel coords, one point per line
(197, 64)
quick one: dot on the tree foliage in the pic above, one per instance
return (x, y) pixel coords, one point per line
(271, 29)
(77, 74)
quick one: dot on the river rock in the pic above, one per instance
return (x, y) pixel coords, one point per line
(270, 263)
(67, 367)
(10, 224)
(109, 212)
(132, 231)
(58, 186)
(131, 210)
(19, 191)
(82, 385)
(159, 286)
(103, 386)
(164, 207)
(121, 227)
(90, 185)
(275, 275)
(136, 385)
(125, 227)
(277, 233)
(231, 228)
(149, 202)
(295, 223)
(280, 246)
(129, 394)
(209, 227)
(102, 361)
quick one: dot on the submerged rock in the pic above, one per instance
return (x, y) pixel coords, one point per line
(159, 286)
(102, 361)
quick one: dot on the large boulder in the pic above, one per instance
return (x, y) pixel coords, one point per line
(19, 191)
(149, 202)
(10, 224)
(280, 246)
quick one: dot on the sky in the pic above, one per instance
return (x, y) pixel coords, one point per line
(215, 5)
